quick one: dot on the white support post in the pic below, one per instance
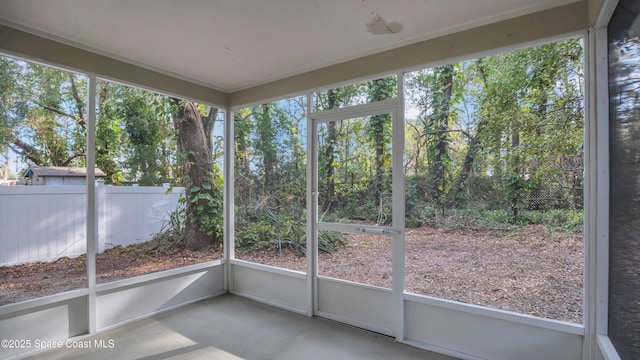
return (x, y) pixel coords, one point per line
(596, 296)
(590, 198)
(596, 207)
(228, 201)
(398, 210)
(312, 217)
(600, 297)
(92, 221)
(100, 216)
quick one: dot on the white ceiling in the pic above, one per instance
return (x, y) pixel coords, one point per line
(230, 45)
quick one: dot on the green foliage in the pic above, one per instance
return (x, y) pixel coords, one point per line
(176, 219)
(571, 221)
(260, 226)
(490, 219)
(206, 200)
(254, 236)
(108, 133)
(515, 188)
(378, 130)
(42, 113)
(355, 94)
(514, 134)
(148, 132)
(436, 92)
(483, 138)
(330, 241)
(267, 138)
(173, 228)
(270, 164)
(8, 100)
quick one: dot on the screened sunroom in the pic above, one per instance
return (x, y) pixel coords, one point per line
(330, 179)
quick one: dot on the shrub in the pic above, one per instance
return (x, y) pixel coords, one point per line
(571, 221)
(262, 226)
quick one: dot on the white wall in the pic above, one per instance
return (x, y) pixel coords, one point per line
(41, 223)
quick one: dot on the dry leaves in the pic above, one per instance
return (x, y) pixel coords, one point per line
(531, 270)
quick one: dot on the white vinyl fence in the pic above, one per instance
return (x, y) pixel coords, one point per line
(43, 223)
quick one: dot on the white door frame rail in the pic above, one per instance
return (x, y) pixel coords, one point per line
(333, 298)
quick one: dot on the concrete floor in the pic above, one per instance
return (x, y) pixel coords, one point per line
(231, 327)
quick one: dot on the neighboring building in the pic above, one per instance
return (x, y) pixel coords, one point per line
(41, 175)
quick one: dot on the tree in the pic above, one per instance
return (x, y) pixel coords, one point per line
(203, 211)
(43, 119)
(434, 93)
(144, 139)
(108, 134)
(329, 155)
(135, 141)
(438, 149)
(8, 101)
(533, 115)
(242, 130)
(474, 138)
(513, 119)
(43, 116)
(266, 141)
(379, 131)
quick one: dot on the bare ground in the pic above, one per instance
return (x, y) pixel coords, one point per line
(33, 280)
(530, 270)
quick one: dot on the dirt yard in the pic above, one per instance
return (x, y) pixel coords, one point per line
(32, 280)
(530, 270)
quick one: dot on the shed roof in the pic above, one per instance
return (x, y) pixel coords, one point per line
(49, 171)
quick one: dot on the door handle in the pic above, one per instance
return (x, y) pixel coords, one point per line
(376, 230)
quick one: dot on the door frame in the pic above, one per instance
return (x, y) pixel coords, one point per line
(394, 107)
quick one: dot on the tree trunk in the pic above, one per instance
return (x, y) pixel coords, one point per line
(444, 83)
(197, 169)
(469, 159)
(380, 89)
(208, 123)
(329, 153)
(474, 146)
(23, 149)
(242, 147)
(266, 131)
(515, 198)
